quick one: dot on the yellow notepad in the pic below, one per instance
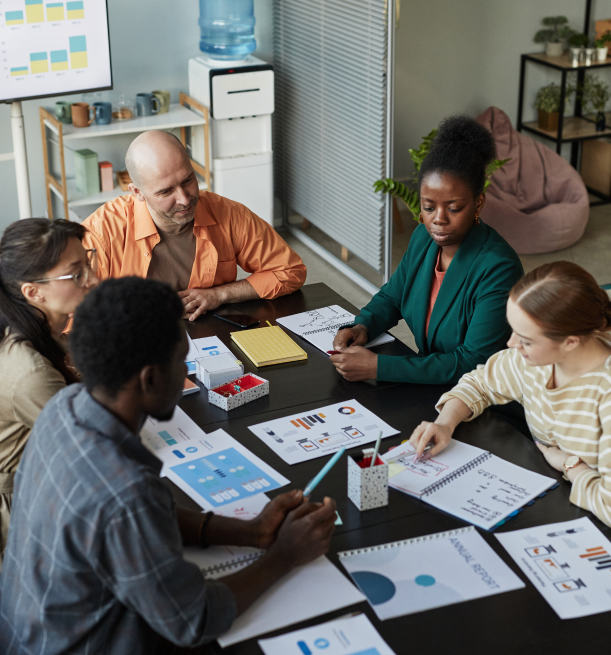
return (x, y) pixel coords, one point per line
(268, 345)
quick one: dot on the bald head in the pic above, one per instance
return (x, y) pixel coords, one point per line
(154, 154)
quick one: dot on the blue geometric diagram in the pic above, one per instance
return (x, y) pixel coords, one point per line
(378, 588)
(224, 477)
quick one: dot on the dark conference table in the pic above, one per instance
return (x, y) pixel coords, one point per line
(519, 621)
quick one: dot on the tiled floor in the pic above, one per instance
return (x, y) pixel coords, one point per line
(593, 252)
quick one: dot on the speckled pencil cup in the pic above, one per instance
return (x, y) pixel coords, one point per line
(367, 487)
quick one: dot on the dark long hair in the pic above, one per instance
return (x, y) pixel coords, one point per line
(28, 249)
(564, 300)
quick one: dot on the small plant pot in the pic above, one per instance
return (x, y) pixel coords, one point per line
(553, 49)
(576, 56)
(601, 122)
(601, 54)
(548, 120)
(589, 56)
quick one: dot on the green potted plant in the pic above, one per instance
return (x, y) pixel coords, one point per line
(554, 35)
(595, 95)
(577, 42)
(547, 103)
(602, 49)
(411, 197)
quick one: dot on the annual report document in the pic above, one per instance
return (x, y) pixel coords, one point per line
(568, 563)
(319, 326)
(404, 577)
(322, 431)
(352, 635)
(466, 481)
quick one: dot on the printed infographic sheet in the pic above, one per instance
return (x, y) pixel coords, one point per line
(411, 576)
(319, 326)
(568, 563)
(304, 436)
(349, 636)
(213, 469)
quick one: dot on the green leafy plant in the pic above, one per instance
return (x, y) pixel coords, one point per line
(548, 97)
(411, 197)
(595, 93)
(604, 40)
(556, 30)
(579, 40)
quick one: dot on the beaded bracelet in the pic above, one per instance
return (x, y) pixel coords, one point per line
(202, 526)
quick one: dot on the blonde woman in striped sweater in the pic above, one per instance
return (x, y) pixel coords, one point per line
(558, 366)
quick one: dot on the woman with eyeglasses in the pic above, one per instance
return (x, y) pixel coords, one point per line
(44, 274)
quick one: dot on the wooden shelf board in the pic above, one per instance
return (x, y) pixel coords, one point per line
(564, 61)
(177, 116)
(573, 128)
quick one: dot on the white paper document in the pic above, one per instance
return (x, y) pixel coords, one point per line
(213, 469)
(306, 592)
(204, 347)
(568, 563)
(319, 326)
(419, 574)
(354, 635)
(467, 482)
(308, 435)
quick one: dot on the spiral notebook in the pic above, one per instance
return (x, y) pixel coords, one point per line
(419, 574)
(319, 326)
(218, 561)
(467, 482)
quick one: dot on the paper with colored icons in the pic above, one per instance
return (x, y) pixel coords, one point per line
(323, 431)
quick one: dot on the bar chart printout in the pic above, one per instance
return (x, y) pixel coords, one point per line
(19, 70)
(14, 17)
(75, 10)
(34, 11)
(78, 52)
(59, 60)
(55, 11)
(39, 62)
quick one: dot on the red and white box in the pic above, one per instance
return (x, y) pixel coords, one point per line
(107, 181)
(236, 392)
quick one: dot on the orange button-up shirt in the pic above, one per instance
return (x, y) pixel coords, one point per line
(227, 235)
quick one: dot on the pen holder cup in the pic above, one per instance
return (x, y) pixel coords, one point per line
(367, 486)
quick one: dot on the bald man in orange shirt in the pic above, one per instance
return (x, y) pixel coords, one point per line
(194, 240)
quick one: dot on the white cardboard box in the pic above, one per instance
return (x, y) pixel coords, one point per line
(217, 370)
(244, 396)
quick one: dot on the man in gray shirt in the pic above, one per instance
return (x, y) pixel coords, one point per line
(94, 559)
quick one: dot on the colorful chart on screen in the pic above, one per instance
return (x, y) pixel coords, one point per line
(50, 47)
(321, 432)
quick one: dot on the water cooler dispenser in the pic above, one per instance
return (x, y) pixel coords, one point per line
(240, 98)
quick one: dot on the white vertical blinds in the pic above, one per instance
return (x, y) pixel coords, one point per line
(330, 60)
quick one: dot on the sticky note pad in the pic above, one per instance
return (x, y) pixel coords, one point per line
(268, 345)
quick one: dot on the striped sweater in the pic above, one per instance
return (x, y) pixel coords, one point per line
(575, 417)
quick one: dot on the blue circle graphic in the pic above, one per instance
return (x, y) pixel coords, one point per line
(378, 588)
(191, 449)
(321, 643)
(425, 580)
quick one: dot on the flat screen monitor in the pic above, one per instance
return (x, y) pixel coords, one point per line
(53, 47)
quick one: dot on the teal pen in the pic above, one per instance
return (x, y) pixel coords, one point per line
(325, 469)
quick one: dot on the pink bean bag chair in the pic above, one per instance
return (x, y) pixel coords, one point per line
(537, 202)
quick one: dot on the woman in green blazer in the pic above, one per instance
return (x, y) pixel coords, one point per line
(453, 282)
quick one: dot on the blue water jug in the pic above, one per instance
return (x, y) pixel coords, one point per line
(227, 28)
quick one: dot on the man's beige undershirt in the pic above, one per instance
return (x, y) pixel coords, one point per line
(172, 258)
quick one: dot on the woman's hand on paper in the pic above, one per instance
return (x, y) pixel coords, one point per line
(266, 525)
(440, 435)
(356, 363)
(351, 336)
(305, 534)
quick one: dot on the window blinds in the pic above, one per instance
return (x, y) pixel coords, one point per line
(330, 62)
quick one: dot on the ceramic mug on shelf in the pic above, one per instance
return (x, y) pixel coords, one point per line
(81, 114)
(164, 101)
(63, 113)
(147, 104)
(103, 112)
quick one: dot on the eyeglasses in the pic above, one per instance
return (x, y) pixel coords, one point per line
(81, 277)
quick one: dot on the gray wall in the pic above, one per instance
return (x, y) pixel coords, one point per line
(151, 41)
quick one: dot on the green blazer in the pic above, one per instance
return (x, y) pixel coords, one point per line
(468, 322)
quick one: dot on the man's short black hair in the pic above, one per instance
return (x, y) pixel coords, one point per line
(122, 326)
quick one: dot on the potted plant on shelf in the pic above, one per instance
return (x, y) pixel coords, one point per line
(577, 43)
(411, 197)
(547, 103)
(595, 95)
(555, 33)
(602, 48)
